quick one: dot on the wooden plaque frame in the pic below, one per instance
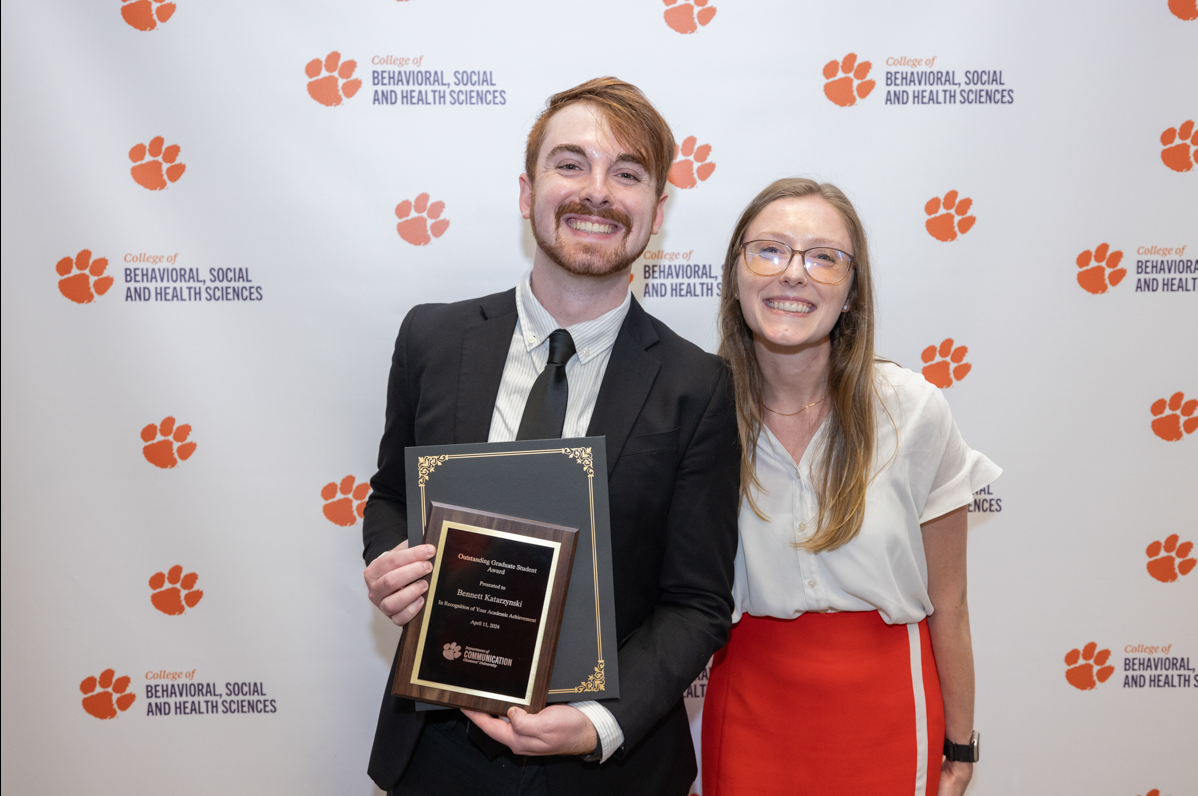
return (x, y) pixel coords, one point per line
(442, 518)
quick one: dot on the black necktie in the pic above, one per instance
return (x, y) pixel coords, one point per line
(545, 411)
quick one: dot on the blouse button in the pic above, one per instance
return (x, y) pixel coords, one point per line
(811, 583)
(803, 526)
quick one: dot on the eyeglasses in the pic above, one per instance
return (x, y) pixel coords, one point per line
(770, 258)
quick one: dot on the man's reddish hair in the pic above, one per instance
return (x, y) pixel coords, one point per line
(633, 120)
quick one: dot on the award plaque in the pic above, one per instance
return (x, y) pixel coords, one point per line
(486, 635)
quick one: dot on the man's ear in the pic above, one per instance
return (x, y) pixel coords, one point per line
(659, 214)
(525, 196)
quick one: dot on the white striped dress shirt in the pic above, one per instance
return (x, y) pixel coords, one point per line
(526, 358)
(529, 351)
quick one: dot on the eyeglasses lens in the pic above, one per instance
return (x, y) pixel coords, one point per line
(767, 257)
(826, 265)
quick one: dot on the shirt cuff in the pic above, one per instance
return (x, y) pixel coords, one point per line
(611, 737)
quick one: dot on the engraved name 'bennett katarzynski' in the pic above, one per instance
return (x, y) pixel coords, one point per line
(498, 567)
(491, 599)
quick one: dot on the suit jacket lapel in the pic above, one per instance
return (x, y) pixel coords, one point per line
(484, 353)
(626, 383)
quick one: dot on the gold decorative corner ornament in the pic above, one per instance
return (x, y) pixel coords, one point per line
(583, 457)
(598, 680)
(427, 464)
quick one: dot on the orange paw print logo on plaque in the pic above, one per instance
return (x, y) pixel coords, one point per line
(1087, 667)
(104, 697)
(1174, 418)
(846, 80)
(1184, 9)
(684, 173)
(1100, 269)
(415, 229)
(451, 651)
(146, 14)
(166, 444)
(1180, 147)
(687, 17)
(944, 365)
(87, 281)
(336, 82)
(173, 593)
(150, 174)
(1168, 560)
(345, 503)
(948, 217)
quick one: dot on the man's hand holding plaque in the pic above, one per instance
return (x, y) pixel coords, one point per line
(396, 582)
(556, 730)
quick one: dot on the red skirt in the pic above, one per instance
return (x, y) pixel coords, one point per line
(825, 704)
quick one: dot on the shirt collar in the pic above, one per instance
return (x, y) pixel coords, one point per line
(591, 338)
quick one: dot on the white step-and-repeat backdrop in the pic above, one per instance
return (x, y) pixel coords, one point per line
(215, 215)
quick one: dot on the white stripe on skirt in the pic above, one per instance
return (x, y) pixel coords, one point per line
(921, 711)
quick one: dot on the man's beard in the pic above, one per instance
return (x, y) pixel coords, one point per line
(584, 259)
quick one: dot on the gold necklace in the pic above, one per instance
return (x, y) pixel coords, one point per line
(792, 414)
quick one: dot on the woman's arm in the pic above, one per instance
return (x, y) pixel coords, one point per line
(944, 541)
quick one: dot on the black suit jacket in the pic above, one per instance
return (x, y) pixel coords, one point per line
(666, 410)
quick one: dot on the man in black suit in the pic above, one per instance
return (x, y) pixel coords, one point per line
(593, 190)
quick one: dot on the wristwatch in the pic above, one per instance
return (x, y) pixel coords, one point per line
(964, 752)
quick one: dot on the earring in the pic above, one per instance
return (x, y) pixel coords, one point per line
(846, 308)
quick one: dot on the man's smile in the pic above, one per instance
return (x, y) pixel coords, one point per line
(590, 226)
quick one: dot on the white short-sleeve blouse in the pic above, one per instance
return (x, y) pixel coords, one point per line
(927, 470)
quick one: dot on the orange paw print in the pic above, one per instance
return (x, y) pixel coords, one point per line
(329, 90)
(163, 453)
(1178, 143)
(101, 704)
(1170, 427)
(341, 510)
(146, 14)
(1081, 673)
(451, 650)
(683, 173)
(684, 19)
(415, 230)
(945, 226)
(1184, 9)
(841, 89)
(180, 595)
(1100, 269)
(942, 373)
(1170, 560)
(149, 173)
(80, 288)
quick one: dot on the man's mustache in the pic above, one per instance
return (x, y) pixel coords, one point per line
(608, 213)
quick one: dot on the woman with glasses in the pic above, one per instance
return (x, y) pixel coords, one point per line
(850, 668)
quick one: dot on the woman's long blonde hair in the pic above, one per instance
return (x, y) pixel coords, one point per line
(845, 458)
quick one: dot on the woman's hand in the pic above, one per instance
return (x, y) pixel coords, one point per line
(954, 777)
(944, 540)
